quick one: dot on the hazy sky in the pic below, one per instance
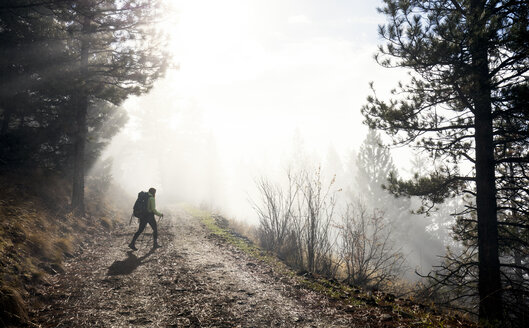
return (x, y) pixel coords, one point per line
(255, 74)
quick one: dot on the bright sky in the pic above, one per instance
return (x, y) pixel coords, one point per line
(257, 73)
(260, 70)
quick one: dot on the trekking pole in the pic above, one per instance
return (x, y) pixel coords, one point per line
(131, 216)
(143, 235)
(157, 226)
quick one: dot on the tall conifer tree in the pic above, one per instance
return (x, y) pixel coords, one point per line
(64, 63)
(118, 54)
(470, 63)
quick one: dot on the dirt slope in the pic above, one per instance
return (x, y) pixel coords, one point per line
(192, 281)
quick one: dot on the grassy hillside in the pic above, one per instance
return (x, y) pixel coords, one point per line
(372, 308)
(37, 231)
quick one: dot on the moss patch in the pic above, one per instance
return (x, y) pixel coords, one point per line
(219, 227)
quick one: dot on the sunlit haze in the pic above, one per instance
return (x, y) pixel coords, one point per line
(256, 79)
(259, 163)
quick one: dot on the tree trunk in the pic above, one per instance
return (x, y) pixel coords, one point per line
(490, 306)
(81, 128)
(79, 150)
(5, 121)
(489, 285)
(6, 92)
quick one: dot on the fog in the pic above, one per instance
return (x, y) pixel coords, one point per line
(261, 87)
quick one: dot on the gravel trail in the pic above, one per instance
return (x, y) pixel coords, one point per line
(194, 280)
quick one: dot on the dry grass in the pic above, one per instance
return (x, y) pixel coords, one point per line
(244, 229)
(65, 245)
(37, 232)
(41, 246)
(106, 223)
(14, 310)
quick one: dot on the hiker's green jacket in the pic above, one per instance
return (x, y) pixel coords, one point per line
(151, 206)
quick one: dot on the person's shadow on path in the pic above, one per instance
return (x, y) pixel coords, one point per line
(128, 265)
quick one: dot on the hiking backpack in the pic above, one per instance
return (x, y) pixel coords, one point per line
(140, 206)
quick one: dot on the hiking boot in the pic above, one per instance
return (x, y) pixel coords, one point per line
(156, 245)
(131, 246)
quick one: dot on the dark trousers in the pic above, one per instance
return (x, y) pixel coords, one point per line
(143, 223)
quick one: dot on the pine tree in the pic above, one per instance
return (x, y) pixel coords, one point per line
(32, 96)
(116, 55)
(65, 65)
(374, 165)
(464, 103)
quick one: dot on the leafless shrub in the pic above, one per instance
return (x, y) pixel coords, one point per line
(275, 213)
(315, 212)
(367, 249)
(295, 221)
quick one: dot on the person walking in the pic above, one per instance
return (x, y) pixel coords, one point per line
(148, 218)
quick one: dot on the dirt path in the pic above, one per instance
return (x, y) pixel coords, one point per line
(192, 281)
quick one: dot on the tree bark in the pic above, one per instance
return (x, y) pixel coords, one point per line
(79, 150)
(489, 285)
(5, 121)
(81, 128)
